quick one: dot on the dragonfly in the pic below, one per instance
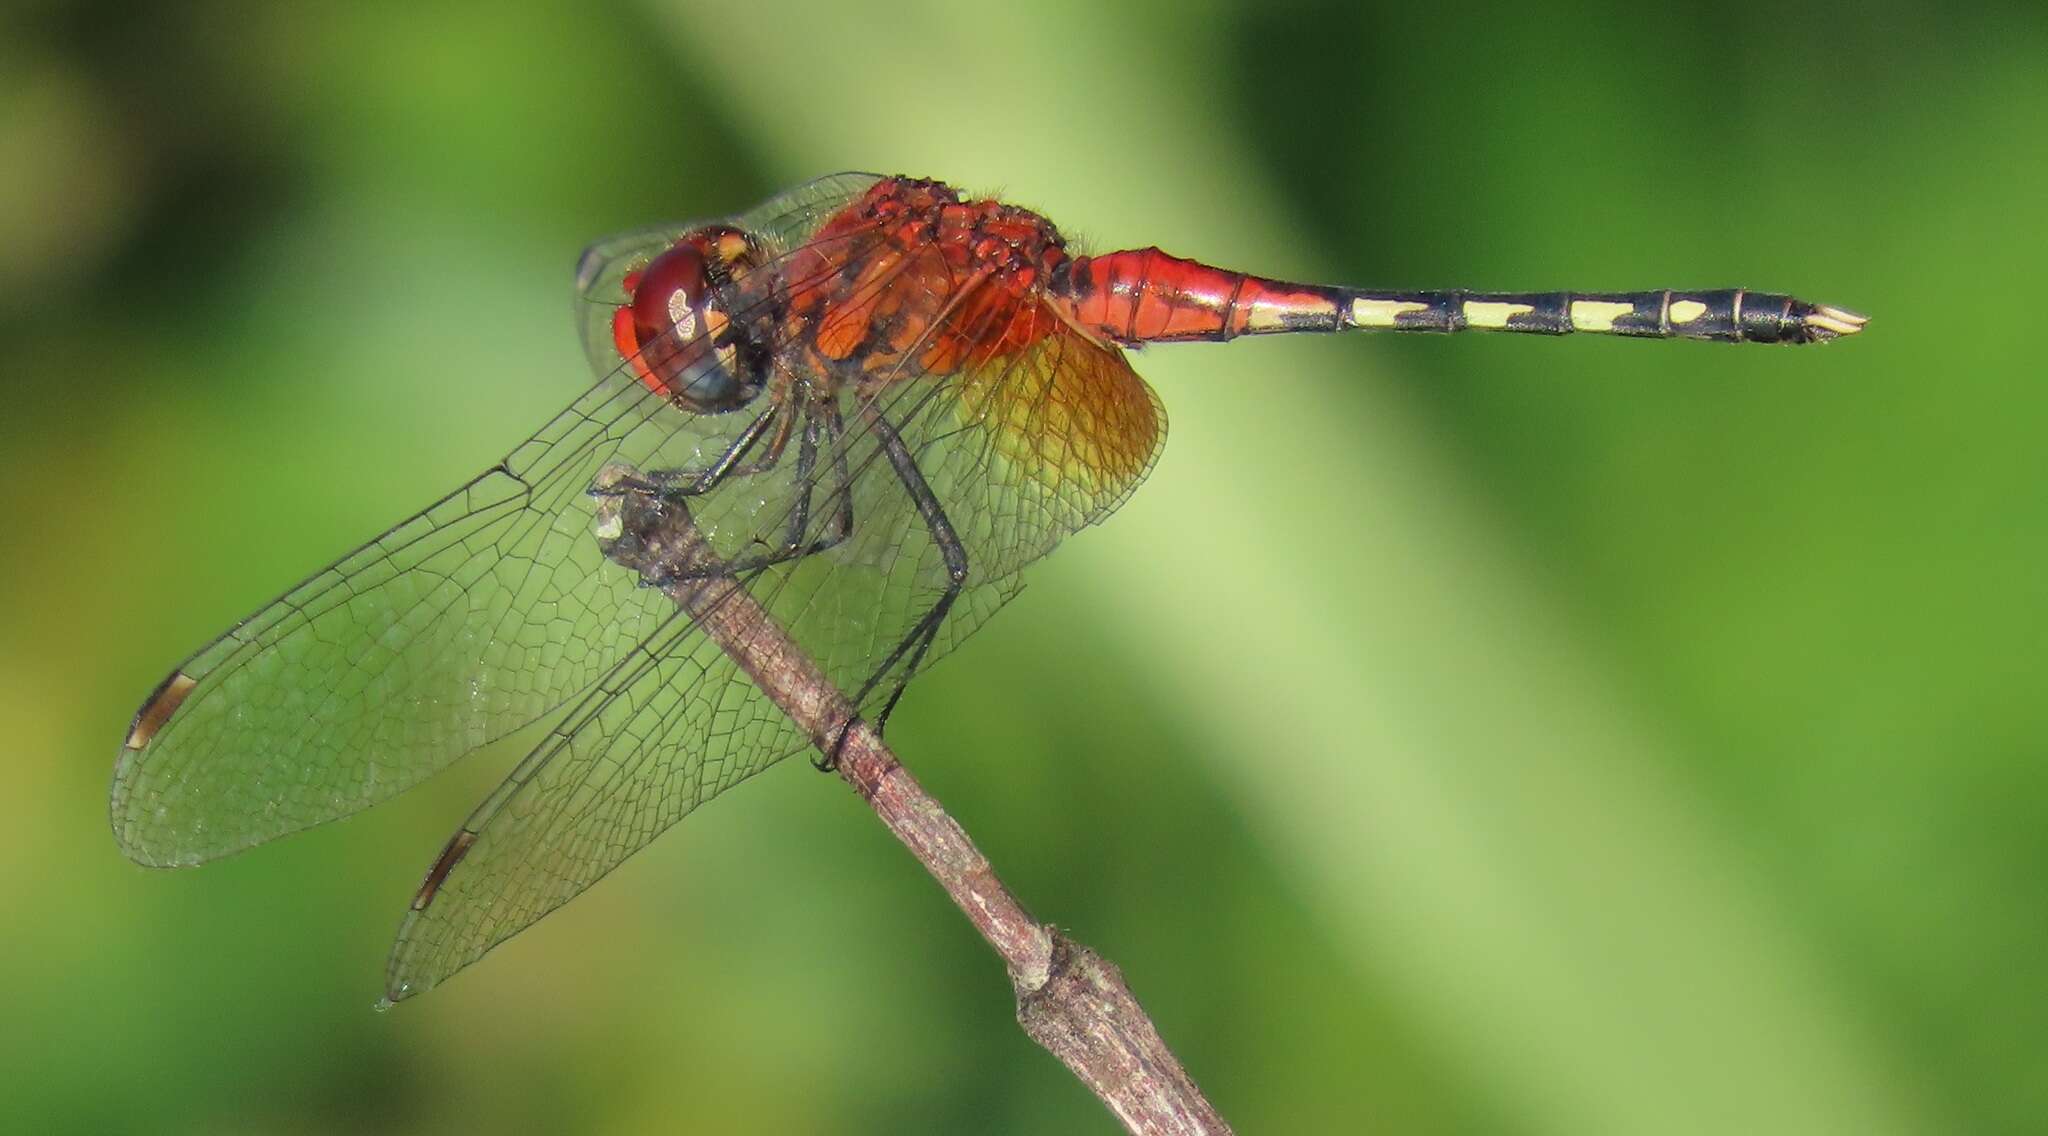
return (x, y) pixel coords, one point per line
(879, 399)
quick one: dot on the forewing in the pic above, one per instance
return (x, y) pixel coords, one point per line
(463, 623)
(475, 617)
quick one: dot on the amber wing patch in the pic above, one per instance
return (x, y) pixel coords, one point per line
(1070, 418)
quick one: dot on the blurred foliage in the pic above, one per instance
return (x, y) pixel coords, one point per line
(1457, 735)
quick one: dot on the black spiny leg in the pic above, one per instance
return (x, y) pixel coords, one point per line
(842, 520)
(794, 546)
(730, 464)
(911, 651)
(681, 485)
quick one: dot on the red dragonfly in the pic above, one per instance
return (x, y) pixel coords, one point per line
(879, 401)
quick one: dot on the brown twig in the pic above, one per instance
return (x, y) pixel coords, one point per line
(1070, 1000)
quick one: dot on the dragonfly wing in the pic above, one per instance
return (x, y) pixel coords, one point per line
(465, 622)
(669, 728)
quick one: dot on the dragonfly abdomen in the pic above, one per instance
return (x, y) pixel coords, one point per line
(1148, 296)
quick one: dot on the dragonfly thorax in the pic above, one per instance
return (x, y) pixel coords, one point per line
(912, 280)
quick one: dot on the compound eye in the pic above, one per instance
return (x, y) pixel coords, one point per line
(677, 337)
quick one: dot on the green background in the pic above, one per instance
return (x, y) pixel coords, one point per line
(1489, 734)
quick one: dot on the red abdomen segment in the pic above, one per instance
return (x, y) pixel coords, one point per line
(1147, 296)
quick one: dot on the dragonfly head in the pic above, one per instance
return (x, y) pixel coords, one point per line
(676, 331)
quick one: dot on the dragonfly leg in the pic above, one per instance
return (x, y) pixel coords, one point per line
(905, 659)
(685, 483)
(842, 512)
(820, 431)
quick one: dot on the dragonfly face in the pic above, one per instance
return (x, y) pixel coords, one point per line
(677, 329)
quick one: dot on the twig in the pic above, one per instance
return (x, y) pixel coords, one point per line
(1070, 1000)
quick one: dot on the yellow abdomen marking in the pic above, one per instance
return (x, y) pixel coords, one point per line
(1381, 313)
(1686, 311)
(1492, 313)
(1598, 315)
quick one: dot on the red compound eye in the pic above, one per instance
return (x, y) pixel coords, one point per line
(677, 338)
(669, 294)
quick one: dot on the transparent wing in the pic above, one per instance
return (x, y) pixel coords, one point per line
(468, 621)
(669, 729)
(1021, 450)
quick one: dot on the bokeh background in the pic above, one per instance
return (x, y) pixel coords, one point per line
(1488, 735)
